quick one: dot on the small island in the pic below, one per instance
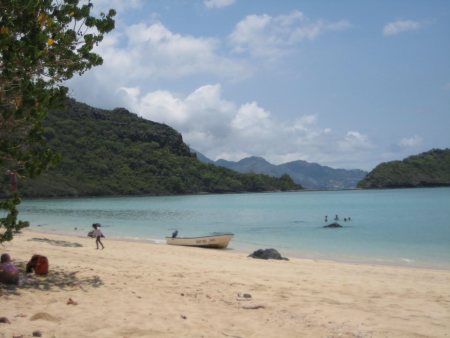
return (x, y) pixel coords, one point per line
(429, 169)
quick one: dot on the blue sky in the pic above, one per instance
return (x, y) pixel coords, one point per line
(348, 84)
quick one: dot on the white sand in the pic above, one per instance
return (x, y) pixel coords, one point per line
(142, 290)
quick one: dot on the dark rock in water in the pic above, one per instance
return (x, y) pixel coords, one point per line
(55, 242)
(267, 254)
(333, 225)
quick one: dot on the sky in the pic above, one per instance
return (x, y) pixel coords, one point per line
(347, 84)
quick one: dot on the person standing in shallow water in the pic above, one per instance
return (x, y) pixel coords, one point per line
(97, 235)
(326, 218)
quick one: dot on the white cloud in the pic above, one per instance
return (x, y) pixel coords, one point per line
(201, 114)
(313, 30)
(266, 36)
(304, 121)
(250, 115)
(411, 142)
(399, 26)
(355, 141)
(221, 129)
(148, 52)
(218, 3)
(290, 19)
(151, 52)
(157, 52)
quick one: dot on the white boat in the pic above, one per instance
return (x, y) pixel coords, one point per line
(218, 241)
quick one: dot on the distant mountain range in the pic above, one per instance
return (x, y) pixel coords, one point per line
(309, 175)
(429, 169)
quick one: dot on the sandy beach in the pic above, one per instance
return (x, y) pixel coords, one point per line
(135, 289)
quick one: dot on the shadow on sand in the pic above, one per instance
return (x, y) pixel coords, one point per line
(56, 280)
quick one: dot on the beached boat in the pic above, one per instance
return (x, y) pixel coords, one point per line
(218, 241)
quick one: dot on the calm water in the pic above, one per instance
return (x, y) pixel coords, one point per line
(401, 227)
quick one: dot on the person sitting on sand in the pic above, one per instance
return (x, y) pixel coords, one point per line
(8, 272)
(97, 235)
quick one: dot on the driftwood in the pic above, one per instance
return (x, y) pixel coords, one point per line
(256, 307)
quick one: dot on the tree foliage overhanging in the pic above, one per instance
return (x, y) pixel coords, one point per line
(115, 152)
(43, 43)
(429, 169)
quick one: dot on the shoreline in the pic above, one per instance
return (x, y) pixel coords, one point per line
(243, 250)
(136, 290)
(201, 193)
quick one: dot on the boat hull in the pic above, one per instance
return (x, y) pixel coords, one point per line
(218, 241)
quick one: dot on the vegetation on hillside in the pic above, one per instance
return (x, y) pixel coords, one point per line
(118, 153)
(429, 169)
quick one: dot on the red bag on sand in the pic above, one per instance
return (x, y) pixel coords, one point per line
(41, 266)
(39, 263)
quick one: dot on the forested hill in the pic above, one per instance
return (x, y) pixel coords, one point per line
(118, 153)
(430, 169)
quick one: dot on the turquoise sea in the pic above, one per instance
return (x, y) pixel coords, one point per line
(404, 227)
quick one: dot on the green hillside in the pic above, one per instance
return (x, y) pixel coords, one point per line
(115, 152)
(430, 169)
